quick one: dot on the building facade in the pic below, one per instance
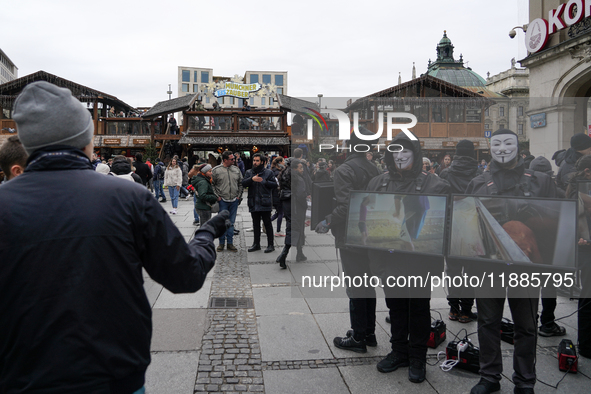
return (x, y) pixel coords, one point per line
(509, 112)
(558, 41)
(192, 80)
(8, 71)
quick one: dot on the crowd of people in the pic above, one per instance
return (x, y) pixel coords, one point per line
(510, 172)
(75, 280)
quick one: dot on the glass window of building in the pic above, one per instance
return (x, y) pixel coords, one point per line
(252, 101)
(438, 113)
(195, 76)
(185, 87)
(263, 101)
(266, 78)
(501, 126)
(270, 100)
(195, 88)
(254, 78)
(204, 76)
(501, 111)
(520, 129)
(486, 112)
(486, 126)
(186, 76)
(455, 113)
(279, 90)
(231, 100)
(220, 100)
(473, 114)
(279, 80)
(520, 111)
(421, 112)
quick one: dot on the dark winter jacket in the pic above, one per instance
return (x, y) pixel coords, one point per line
(354, 174)
(260, 194)
(462, 170)
(159, 171)
(276, 173)
(321, 176)
(205, 195)
(75, 317)
(143, 170)
(240, 165)
(509, 182)
(567, 167)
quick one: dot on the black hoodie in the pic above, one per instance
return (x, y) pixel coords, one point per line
(462, 170)
(567, 167)
(406, 181)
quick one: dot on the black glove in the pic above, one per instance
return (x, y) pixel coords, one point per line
(218, 224)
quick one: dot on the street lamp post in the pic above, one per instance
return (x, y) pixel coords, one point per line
(169, 92)
(320, 101)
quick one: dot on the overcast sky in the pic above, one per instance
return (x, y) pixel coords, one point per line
(132, 49)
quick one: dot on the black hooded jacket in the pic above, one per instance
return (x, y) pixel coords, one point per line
(508, 180)
(567, 167)
(75, 316)
(121, 166)
(462, 170)
(406, 181)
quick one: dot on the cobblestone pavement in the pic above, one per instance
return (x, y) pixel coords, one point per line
(284, 344)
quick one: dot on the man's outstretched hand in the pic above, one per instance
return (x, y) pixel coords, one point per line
(218, 224)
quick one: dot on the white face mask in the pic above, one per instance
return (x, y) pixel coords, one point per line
(503, 147)
(403, 159)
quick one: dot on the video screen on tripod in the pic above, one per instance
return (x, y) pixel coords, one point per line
(584, 210)
(413, 223)
(514, 230)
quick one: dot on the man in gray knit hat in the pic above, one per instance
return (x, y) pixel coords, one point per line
(73, 246)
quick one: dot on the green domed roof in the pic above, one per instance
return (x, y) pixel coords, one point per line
(458, 76)
(450, 70)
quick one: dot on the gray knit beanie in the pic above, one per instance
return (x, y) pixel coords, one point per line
(49, 115)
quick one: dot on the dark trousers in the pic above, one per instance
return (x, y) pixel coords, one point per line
(548, 305)
(584, 314)
(459, 298)
(411, 326)
(278, 215)
(203, 215)
(286, 205)
(362, 301)
(490, 314)
(256, 222)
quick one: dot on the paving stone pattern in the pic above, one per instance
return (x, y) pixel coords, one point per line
(230, 359)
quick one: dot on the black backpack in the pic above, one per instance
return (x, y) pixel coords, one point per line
(159, 172)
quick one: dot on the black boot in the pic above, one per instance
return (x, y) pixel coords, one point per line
(300, 255)
(283, 256)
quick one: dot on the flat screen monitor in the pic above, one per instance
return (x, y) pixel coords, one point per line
(584, 210)
(411, 223)
(323, 202)
(534, 232)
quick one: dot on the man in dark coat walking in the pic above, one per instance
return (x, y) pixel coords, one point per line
(142, 169)
(73, 250)
(260, 183)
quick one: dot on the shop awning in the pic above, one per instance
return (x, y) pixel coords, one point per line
(238, 140)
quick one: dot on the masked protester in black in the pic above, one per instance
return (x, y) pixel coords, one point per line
(507, 177)
(462, 170)
(583, 173)
(409, 307)
(353, 174)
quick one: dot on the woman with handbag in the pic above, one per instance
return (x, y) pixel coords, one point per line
(173, 178)
(206, 198)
